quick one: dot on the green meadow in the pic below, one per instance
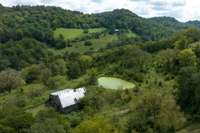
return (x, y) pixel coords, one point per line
(97, 44)
(73, 33)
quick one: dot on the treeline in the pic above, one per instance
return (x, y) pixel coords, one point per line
(19, 54)
(39, 22)
(149, 29)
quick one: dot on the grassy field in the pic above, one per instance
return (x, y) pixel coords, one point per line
(101, 42)
(70, 34)
(97, 44)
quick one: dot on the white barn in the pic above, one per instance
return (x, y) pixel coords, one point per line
(66, 100)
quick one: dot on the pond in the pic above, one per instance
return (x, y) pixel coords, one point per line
(114, 83)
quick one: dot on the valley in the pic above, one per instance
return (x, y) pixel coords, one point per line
(141, 75)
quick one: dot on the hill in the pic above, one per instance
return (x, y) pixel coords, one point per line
(22, 21)
(153, 28)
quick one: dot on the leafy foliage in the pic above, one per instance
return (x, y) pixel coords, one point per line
(163, 64)
(156, 113)
(22, 53)
(9, 80)
(98, 124)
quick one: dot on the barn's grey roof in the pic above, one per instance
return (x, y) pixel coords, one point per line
(69, 97)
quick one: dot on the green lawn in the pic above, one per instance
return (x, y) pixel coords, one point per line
(70, 34)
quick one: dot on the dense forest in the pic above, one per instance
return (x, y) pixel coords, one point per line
(44, 49)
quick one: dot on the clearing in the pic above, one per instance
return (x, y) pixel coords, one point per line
(72, 33)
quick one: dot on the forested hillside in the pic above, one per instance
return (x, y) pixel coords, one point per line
(38, 22)
(46, 49)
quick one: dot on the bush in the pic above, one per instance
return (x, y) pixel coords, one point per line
(88, 43)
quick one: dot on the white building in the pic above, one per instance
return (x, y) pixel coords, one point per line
(116, 30)
(66, 100)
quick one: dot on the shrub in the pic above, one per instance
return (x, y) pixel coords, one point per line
(88, 43)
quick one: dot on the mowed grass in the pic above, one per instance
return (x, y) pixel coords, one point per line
(70, 34)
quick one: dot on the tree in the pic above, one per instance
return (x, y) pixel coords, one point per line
(188, 90)
(97, 125)
(74, 70)
(155, 46)
(60, 42)
(92, 77)
(165, 61)
(35, 73)
(182, 43)
(58, 67)
(187, 57)
(196, 48)
(20, 54)
(156, 113)
(85, 62)
(10, 79)
(186, 37)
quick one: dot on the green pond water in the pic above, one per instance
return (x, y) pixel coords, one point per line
(114, 83)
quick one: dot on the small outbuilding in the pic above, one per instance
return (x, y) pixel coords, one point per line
(117, 30)
(66, 100)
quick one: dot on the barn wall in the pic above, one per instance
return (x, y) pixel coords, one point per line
(54, 102)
